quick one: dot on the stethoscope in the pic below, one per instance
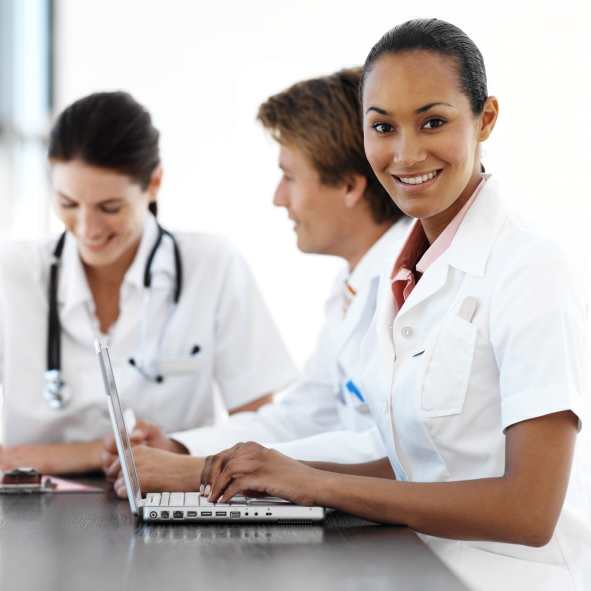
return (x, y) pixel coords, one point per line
(56, 392)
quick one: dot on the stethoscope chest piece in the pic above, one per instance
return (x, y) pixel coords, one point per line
(56, 392)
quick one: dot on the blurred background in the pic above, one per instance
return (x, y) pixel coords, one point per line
(203, 67)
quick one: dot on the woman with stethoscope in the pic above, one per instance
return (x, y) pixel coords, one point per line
(474, 365)
(183, 316)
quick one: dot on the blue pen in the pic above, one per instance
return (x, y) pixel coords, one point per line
(354, 390)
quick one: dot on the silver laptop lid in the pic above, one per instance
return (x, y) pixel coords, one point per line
(119, 430)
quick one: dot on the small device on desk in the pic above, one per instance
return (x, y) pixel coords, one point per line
(29, 480)
(24, 480)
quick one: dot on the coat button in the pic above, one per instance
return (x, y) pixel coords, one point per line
(386, 406)
(407, 332)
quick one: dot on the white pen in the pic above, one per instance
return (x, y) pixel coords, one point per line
(129, 420)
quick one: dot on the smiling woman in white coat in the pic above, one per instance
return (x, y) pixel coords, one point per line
(183, 316)
(474, 364)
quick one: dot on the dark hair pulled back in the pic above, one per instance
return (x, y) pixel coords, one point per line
(439, 37)
(109, 130)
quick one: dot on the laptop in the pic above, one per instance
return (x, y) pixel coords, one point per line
(189, 506)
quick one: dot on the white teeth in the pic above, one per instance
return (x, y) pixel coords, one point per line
(417, 180)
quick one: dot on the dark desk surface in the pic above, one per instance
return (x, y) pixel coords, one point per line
(84, 542)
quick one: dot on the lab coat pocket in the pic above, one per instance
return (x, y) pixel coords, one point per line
(448, 366)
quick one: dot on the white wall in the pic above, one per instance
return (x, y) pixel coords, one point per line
(202, 69)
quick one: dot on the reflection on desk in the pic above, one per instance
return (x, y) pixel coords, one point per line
(92, 542)
(248, 534)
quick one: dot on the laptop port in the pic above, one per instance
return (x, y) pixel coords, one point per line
(165, 515)
(205, 513)
(268, 513)
(220, 513)
(153, 514)
(177, 514)
(191, 513)
(234, 514)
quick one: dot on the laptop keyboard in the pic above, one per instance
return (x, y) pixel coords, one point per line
(190, 499)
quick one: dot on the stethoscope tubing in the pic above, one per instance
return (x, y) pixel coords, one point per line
(53, 396)
(177, 263)
(54, 325)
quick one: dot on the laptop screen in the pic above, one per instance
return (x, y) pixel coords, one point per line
(119, 430)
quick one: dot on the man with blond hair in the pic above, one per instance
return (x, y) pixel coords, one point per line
(339, 208)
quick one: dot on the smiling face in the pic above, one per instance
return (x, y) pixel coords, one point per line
(421, 136)
(319, 210)
(104, 210)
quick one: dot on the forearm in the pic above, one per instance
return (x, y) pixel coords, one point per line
(521, 507)
(55, 458)
(70, 458)
(253, 406)
(177, 447)
(377, 469)
(488, 509)
(185, 475)
(160, 473)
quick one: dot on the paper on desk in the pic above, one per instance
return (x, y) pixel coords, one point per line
(59, 485)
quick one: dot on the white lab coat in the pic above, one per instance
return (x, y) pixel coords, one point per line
(443, 389)
(318, 419)
(220, 310)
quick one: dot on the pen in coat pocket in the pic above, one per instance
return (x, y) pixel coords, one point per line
(354, 390)
(467, 309)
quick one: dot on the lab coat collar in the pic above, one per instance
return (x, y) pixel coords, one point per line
(431, 282)
(371, 263)
(478, 231)
(366, 273)
(73, 289)
(384, 320)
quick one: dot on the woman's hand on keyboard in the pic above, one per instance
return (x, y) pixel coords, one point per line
(254, 471)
